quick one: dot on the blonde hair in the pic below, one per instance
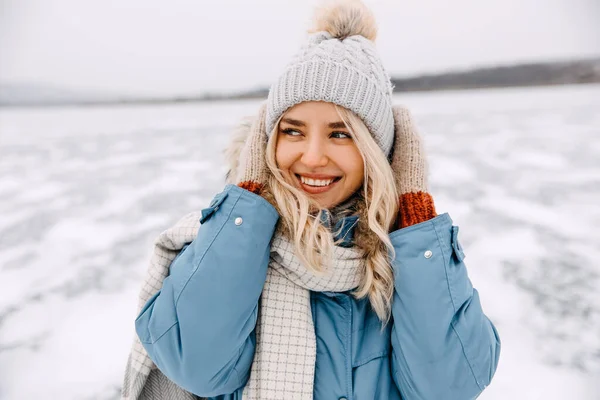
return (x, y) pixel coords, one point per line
(377, 203)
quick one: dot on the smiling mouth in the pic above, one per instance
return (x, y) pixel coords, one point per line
(315, 186)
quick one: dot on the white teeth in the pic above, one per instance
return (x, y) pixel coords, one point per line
(315, 182)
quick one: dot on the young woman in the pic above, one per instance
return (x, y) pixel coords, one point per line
(322, 271)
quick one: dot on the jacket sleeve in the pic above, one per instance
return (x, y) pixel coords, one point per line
(444, 347)
(199, 328)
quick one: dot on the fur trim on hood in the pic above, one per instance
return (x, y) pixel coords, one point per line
(233, 150)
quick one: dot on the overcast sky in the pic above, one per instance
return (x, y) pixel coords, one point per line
(184, 47)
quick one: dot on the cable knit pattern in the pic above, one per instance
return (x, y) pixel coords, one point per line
(346, 72)
(414, 208)
(410, 170)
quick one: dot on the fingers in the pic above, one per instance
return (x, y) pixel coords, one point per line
(410, 170)
(253, 169)
(403, 133)
(408, 158)
(403, 122)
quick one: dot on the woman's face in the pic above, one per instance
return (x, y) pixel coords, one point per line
(316, 153)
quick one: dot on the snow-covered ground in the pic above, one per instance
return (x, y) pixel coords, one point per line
(84, 191)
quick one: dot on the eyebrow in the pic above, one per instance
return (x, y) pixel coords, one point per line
(295, 122)
(338, 125)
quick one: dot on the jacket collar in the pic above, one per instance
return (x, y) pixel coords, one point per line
(342, 229)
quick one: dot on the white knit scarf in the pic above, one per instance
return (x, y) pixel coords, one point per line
(285, 355)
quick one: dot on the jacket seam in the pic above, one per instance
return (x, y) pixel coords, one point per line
(238, 377)
(162, 334)
(365, 327)
(397, 372)
(240, 350)
(349, 395)
(440, 243)
(462, 345)
(201, 258)
(370, 357)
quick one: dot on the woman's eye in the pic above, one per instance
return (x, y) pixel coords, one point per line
(291, 132)
(340, 135)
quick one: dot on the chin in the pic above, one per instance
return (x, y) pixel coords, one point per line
(327, 202)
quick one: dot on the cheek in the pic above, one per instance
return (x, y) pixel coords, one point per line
(354, 168)
(284, 155)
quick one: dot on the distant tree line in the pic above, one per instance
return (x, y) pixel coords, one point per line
(533, 74)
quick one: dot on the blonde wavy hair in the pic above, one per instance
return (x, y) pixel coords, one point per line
(377, 204)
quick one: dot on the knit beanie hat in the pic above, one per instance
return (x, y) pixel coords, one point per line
(339, 64)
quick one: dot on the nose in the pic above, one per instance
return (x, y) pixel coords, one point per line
(314, 154)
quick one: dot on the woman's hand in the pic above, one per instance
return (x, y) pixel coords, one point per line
(252, 172)
(410, 170)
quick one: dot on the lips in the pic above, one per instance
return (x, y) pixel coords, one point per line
(315, 184)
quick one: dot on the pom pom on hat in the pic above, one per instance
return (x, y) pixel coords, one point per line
(344, 18)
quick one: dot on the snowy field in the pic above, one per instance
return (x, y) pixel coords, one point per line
(84, 191)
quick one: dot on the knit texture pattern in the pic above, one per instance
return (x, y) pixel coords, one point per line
(284, 362)
(253, 170)
(143, 381)
(346, 72)
(410, 169)
(285, 355)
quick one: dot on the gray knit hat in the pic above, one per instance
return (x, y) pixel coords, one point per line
(339, 64)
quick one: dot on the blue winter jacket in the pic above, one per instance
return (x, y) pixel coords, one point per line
(199, 329)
